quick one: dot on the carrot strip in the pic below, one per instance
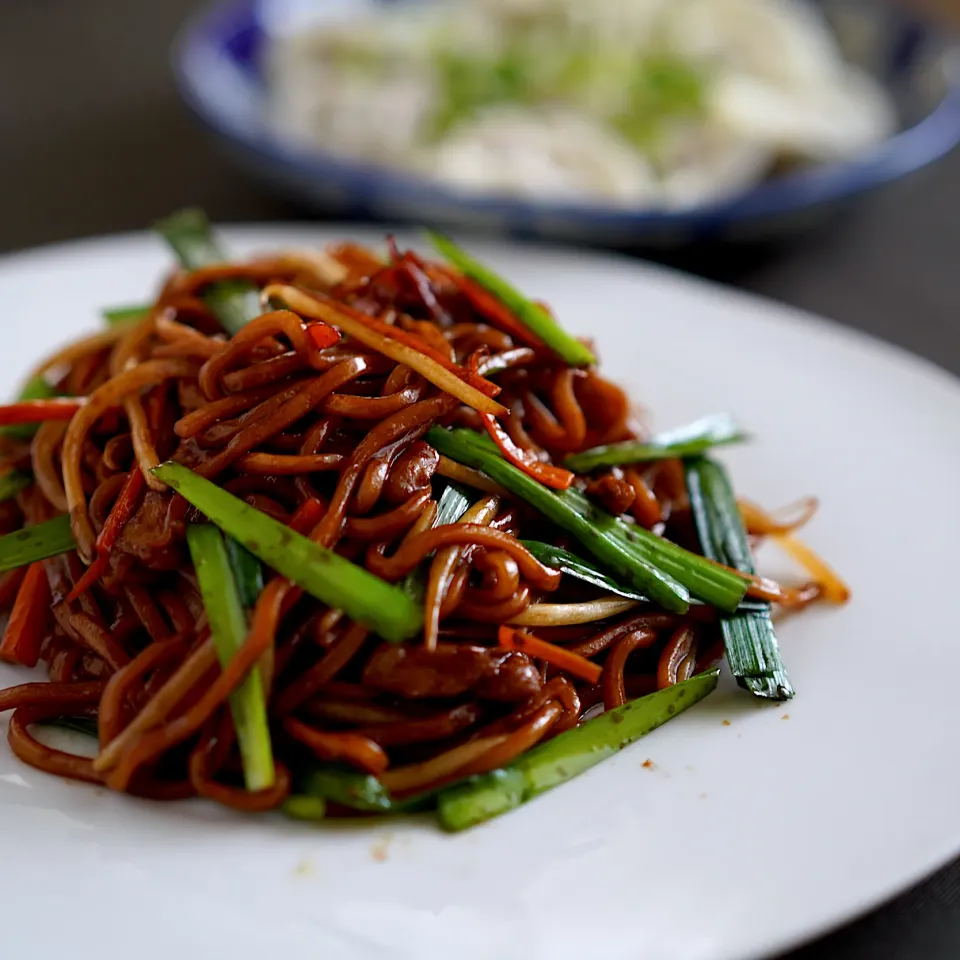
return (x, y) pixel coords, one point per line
(317, 306)
(493, 310)
(122, 510)
(323, 335)
(564, 659)
(37, 411)
(28, 619)
(557, 478)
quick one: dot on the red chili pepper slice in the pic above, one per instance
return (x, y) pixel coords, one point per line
(36, 411)
(557, 478)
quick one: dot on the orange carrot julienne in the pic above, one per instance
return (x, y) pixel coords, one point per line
(573, 663)
(557, 478)
(37, 411)
(415, 342)
(122, 510)
(323, 335)
(28, 619)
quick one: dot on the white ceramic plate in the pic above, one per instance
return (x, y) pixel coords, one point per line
(741, 840)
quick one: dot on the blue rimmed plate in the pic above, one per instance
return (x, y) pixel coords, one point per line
(217, 63)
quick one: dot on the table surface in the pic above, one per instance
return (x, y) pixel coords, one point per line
(95, 141)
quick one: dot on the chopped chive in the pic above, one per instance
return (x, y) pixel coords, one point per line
(382, 607)
(358, 791)
(13, 482)
(121, 316)
(247, 572)
(36, 543)
(526, 311)
(567, 755)
(234, 302)
(36, 388)
(687, 441)
(302, 807)
(749, 638)
(454, 503)
(228, 628)
(574, 566)
(660, 570)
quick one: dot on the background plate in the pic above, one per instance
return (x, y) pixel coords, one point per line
(740, 841)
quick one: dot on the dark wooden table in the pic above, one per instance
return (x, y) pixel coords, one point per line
(94, 141)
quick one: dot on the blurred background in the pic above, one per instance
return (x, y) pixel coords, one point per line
(800, 150)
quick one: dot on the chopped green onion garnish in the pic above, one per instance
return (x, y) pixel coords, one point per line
(228, 628)
(13, 482)
(358, 791)
(453, 504)
(526, 311)
(235, 302)
(567, 755)
(247, 572)
(682, 442)
(658, 569)
(36, 543)
(720, 588)
(574, 566)
(302, 807)
(121, 316)
(36, 388)
(382, 607)
(751, 644)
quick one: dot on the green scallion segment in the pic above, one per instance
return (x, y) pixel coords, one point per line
(567, 755)
(382, 607)
(228, 628)
(348, 788)
(302, 807)
(749, 639)
(660, 570)
(36, 388)
(247, 572)
(687, 441)
(453, 504)
(36, 543)
(526, 311)
(574, 566)
(234, 302)
(123, 316)
(13, 482)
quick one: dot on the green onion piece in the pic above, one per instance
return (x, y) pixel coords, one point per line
(526, 311)
(358, 791)
(247, 572)
(467, 447)
(720, 588)
(723, 589)
(567, 755)
(749, 639)
(228, 628)
(13, 482)
(36, 543)
(326, 575)
(301, 807)
(122, 316)
(687, 441)
(454, 503)
(86, 725)
(234, 302)
(574, 566)
(36, 388)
